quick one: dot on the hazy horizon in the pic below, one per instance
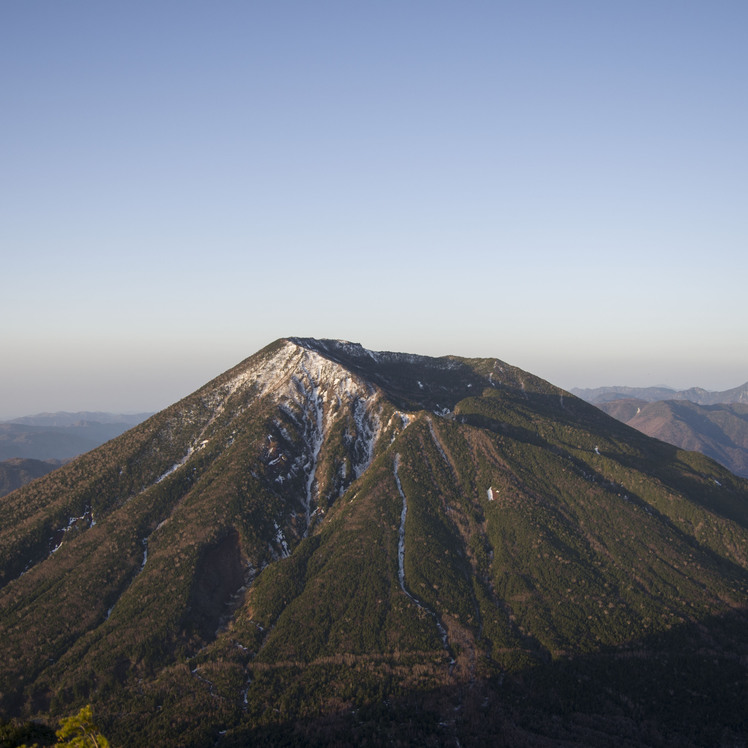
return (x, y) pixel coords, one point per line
(557, 185)
(165, 391)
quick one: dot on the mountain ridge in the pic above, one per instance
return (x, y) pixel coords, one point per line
(62, 435)
(698, 395)
(325, 540)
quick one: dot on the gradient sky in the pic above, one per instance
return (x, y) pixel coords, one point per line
(562, 185)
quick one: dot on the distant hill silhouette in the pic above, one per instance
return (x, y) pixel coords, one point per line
(32, 446)
(651, 394)
(719, 431)
(19, 471)
(61, 436)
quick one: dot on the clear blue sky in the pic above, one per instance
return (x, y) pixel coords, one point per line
(560, 184)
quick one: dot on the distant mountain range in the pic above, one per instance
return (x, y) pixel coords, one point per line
(61, 436)
(719, 431)
(328, 545)
(651, 394)
(715, 423)
(32, 445)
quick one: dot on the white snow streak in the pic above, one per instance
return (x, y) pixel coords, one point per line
(145, 555)
(72, 521)
(315, 437)
(280, 538)
(367, 433)
(401, 558)
(438, 443)
(176, 465)
(264, 377)
(320, 392)
(401, 537)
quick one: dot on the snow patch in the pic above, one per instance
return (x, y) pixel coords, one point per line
(405, 421)
(280, 539)
(314, 437)
(176, 465)
(145, 555)
(314, 394)
(367, 434)
(71, 523)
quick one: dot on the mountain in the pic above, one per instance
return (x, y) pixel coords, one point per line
(61, 436)
(651, 394)
(719, 431)
(328, 545)
(18, 472)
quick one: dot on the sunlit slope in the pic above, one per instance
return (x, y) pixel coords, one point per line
(327, 536)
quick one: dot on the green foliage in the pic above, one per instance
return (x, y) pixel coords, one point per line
(80, 731)
(77, 731)
(15, 733)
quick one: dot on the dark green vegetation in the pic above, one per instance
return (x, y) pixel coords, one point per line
(78, 731)
(719, 431)
(236, 570)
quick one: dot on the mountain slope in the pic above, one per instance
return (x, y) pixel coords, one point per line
(332, 544)
(719, 431)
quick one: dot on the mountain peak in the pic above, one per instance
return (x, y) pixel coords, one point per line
(327, 544)
(327, 346)
(355, 353)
